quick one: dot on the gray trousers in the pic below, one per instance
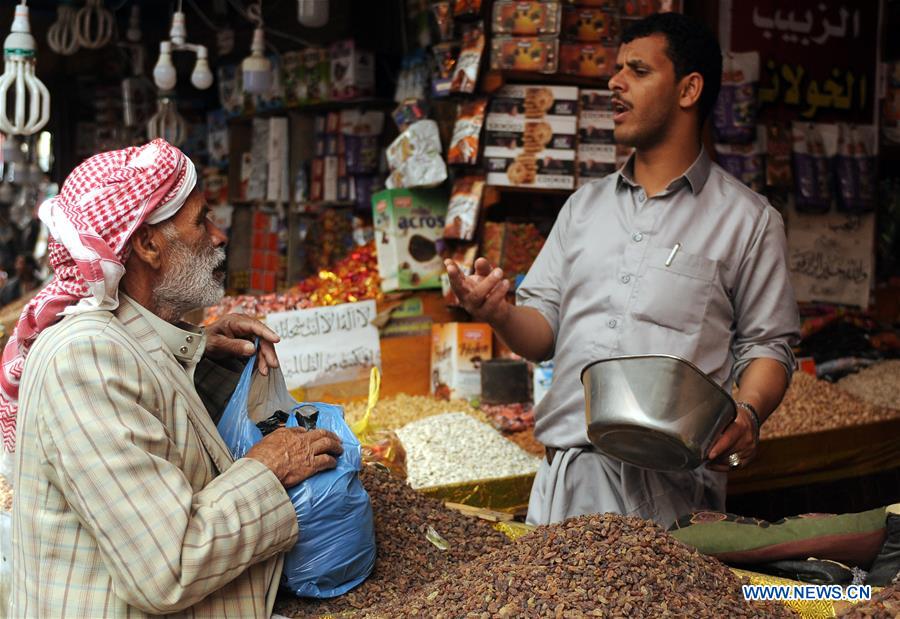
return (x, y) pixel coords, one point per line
(582, 481)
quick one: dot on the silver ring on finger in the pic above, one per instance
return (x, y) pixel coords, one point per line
(734, 461)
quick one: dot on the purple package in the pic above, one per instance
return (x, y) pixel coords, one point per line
(734, 115)
(814, 147)
(364, 187)
(362, 153)
(855, 168)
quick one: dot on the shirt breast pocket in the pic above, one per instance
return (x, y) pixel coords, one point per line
(674, 296)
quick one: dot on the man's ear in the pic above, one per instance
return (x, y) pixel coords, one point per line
(690, 88)
(146, 247)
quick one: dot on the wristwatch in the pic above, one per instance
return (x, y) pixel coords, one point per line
(753, 415)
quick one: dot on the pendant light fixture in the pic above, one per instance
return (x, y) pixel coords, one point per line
(30, 104)
(61, 35)
(164, 71)
(256, 69)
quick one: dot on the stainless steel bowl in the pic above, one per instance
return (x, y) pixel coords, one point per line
(654, 411)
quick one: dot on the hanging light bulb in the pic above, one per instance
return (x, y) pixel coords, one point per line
(164, 71)
(31, 103)
(201, 76)
(256, 68)
(167, 123)
(104, 19)
(164, 75)
(61, 35)
(312, 13)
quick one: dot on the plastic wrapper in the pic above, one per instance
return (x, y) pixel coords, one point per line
(526, 18)
(443, 20)
(855, 168)
(814, 147)
(443, 68)
(734, 115)
(462, 212)
(415, 157)
(335, 550)
(587, 60)
(535, 54)
(590, 25)
(465, 75)
(409, 112)
(466, 133)
(746, 162)
(385, 448)
(778, 157)
(466, 8)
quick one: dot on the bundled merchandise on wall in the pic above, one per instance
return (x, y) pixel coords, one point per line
(266, 252)
(511, 246)
(596, 142)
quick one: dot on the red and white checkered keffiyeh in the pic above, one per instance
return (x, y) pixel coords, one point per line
(102, 202)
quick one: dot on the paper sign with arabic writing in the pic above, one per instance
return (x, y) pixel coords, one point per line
(831, 257)
(818, 59)
(327, 345)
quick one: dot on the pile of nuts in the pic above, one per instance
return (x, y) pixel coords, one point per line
(884, 605)
(6, 495)
(455, 447)
(878, 384)
(395, 412)
(406, 559)
(597, 565)
(813, 405)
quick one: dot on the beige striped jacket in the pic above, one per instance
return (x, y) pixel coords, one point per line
(128, 503)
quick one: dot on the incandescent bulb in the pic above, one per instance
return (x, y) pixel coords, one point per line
(201, 77)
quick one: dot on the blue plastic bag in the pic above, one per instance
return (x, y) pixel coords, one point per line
(336, 548)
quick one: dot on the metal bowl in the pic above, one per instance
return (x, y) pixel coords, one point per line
(654, 411)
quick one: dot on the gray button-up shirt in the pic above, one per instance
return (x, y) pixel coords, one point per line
(602, 283)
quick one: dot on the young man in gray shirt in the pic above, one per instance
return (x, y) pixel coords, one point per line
(610, 282)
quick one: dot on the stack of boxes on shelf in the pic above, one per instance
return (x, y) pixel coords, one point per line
(266, 261)
(526, 36)
(596, 144)
(590, 34)
(531, 137)
(345, 166)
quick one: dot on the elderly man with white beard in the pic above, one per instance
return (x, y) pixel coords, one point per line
(127, 501)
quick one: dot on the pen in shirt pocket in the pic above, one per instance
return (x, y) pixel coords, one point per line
(672, 254)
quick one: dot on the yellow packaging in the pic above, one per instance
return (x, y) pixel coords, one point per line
(457, 350)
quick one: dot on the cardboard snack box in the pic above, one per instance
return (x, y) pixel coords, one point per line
(551, 132)
(535, 101)
(547, 169)
(407, 224)
(457, 351)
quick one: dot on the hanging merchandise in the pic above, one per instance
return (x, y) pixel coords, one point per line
(61, 36)
(28, 114)
(814, 146)
(138, 93)
(466, 75)
(734, 115)
(746, 162)
(855, 168)
(164, 72)
(167, 123)
(94, 13)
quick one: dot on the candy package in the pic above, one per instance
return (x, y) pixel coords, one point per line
(526, 18)
(537, 54)
(814, 147)
(590, 25)
(734, 115)
(746, 162)
(462, 212)
(587, 60)
(443, 20)
(465, 75)
(466, 133)
(415, 157)
(778, 156)
(855, 168)
(466, 8)
(408, 112)
(443, 68)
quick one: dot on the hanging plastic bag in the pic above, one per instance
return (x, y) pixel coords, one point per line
(336, 547)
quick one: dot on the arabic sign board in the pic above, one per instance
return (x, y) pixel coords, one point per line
(818, 59)
(327, 345)
(831, 257)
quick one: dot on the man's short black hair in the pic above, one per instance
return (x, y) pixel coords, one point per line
(691, 47)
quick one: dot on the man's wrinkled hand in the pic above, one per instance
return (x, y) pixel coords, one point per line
(482, 294)
(738, 438)
(233, 335)
(295, 454)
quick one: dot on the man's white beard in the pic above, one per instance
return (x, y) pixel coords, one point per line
(189, 281)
